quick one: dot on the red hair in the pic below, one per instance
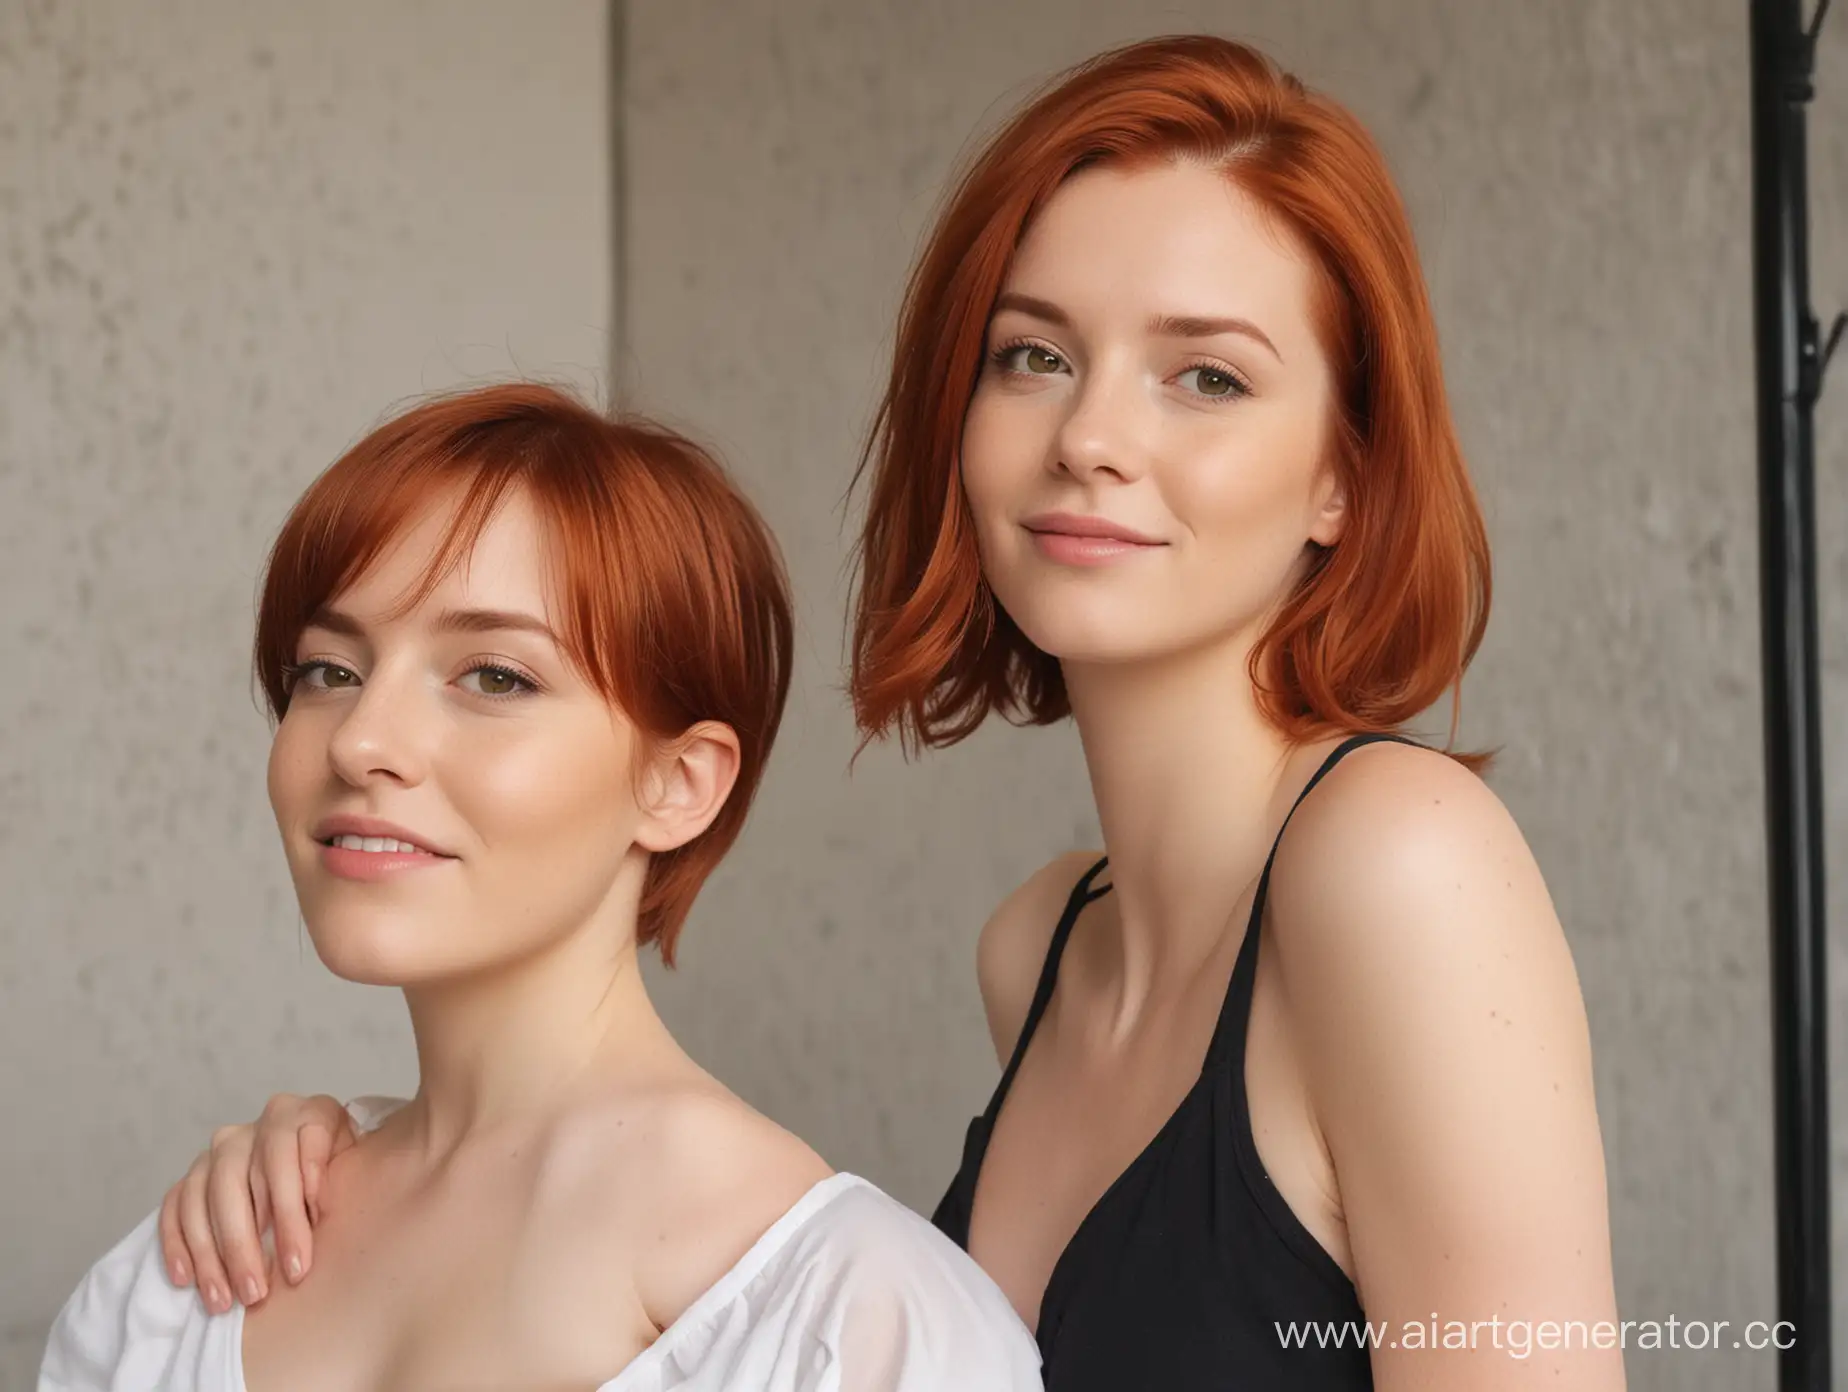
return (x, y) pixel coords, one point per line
(669, 590)
(1382, 623)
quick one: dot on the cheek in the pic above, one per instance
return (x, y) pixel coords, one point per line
(1002, 445)
(541, 795)
(1256, 486)
(549, 816)
(297, 754)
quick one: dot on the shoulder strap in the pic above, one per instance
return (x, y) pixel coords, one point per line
(1235, 1014)
(1082, 894)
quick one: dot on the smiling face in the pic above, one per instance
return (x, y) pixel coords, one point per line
(1154, 376)
(462, 728)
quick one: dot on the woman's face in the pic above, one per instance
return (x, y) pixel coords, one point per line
(452, 794)
(1146, 452)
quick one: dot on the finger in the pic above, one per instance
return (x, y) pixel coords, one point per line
(279, 1170)
(233, 1215)
(327, 1131)
(259, 1193)
(201, 1246)
(172, 1240)
(340, 1120)
(260, 1198)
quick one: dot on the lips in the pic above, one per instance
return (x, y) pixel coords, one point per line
(387, 845)
(1087, 528)
(374, 835)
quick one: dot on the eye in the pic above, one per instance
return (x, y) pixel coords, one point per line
(492, 680)
(320, 675)
(1212, 382)
(1029, 359)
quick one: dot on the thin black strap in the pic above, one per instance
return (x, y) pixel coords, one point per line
(1235, 1013)
(1081, 894)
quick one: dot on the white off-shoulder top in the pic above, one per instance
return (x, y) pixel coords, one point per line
(849, 1291)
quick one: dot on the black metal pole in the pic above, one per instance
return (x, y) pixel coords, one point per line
(1790, 366)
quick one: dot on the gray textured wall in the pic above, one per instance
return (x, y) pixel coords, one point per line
(231, 236)
(1578, 172)
(238, 233)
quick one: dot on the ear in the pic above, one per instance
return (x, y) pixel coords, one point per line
(1330, 520)
(685, 785)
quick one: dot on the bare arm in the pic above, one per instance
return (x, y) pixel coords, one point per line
(1431, 992)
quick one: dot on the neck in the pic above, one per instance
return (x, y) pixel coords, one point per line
(516, 1043)
(1187, 773)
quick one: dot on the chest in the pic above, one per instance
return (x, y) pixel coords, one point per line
(1097, 1153)
(460, 1287)
(1076, 1121)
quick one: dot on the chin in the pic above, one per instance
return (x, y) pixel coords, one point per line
(1092, 633)
(377, 948)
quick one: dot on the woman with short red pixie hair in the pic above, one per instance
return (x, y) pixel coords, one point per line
(1166, 449)
(526, 665)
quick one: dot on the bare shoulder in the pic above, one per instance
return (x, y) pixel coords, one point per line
(1430, 995)
(1012, 948)
(713, 1141)
(1405, 892)
(1391, 791)
(690, 1177)
(1394, 819)
(725, 1165)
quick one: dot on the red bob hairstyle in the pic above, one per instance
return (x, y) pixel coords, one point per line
(669, 590)
(1384, 622)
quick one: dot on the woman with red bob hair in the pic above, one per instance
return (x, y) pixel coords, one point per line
(526, 665)
(1296, 1084)
(1165, 449)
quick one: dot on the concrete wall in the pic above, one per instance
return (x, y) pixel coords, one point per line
(231, 236)
(236, 233)
(1579, 176)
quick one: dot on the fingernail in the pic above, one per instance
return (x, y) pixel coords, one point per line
(252, 1291)
(178, 1273)
(295, 1267)
(215, 1300)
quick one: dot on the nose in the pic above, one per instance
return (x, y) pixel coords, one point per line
(1104, 433)
(383, 735)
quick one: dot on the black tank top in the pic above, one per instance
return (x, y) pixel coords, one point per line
(1182, 1274)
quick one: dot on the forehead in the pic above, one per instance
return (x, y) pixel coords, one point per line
(1164, 239)
(502, 566)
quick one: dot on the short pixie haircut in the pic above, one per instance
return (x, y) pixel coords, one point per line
(668, 588)
(1384, 622)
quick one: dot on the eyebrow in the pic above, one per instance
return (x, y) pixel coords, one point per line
(449, 621)
(1161, 325)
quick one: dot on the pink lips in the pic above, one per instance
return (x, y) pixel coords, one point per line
(1072, 539)
(411, 853)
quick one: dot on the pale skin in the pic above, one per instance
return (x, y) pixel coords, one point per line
(1418, 1062)
(566, 1180)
